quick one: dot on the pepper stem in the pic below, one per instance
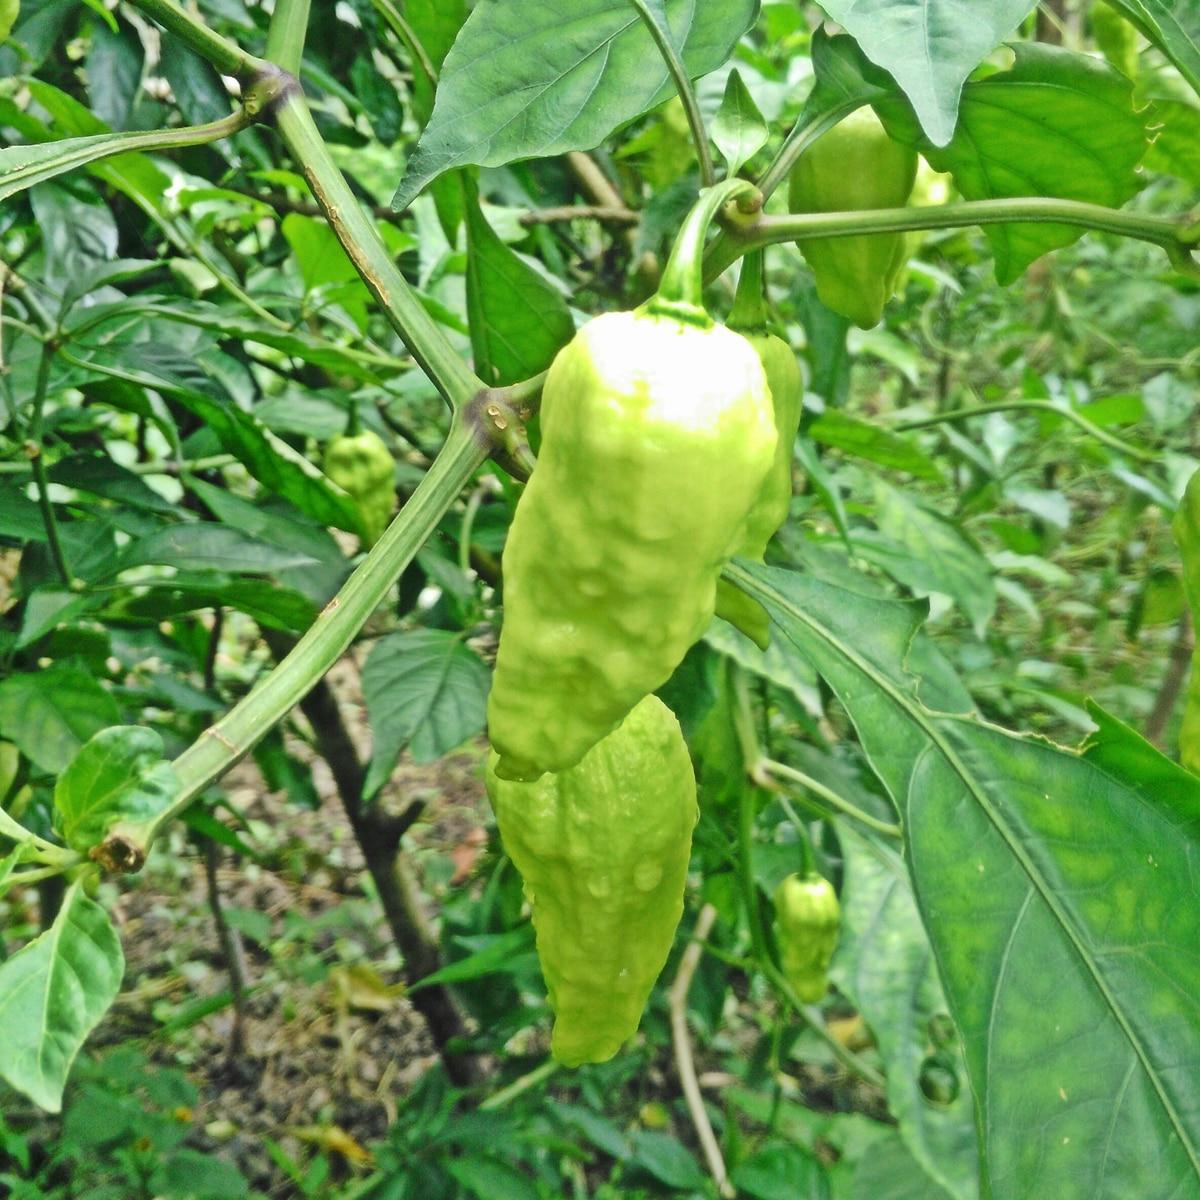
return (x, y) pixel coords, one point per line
(749, 312)
(681, 292)
(352, 426)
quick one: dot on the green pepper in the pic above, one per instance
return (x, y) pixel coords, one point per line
(851, 167)
(362, 465)
(770, 509)
(657, 433)
(603, 849)
(807, 918)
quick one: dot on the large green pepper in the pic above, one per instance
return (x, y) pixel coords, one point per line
(362, 465)
(603, 849)
(807, 917)
(770, 509)
(854, 166)
(657, 432)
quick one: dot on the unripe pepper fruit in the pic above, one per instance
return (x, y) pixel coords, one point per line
(361, 464)
(851, 167)
(807, 919)
(657, 432)
(770, 509)
(603, 849)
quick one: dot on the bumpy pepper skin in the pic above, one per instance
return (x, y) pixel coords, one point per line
(770, 510)
(855, 165)
(807, 917)
(362, 465)
(603, 849)
(656, 437)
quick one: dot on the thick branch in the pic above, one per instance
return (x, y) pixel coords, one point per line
(379, 841)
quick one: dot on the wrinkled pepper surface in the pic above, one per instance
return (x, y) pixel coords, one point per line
(657, 433)
(854, 166)
(770, 509)
(807, 917)
(362, 465)
(603, 850)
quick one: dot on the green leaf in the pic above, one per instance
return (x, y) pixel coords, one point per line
(207, 546)
(510, 953)
(1062, 902)
(53, 993)
(519, 319)
(323, 262)
(490, 1178)
(929, 46)
(266, 601)
(114, 71)
(738, 129)
(533, 80)
(1173, 26)
(780, 1171)
(268, 458)
(884, 965)
(1056, 124)
(930, 554)
(872, 442)
(49, 714)
(666, 1159)
(425, 690)
(119, 775)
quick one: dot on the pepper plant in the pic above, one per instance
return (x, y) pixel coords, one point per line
(620, 431)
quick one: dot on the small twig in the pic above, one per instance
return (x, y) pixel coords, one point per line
(231, 948)
(677, 998)
(1172, 684)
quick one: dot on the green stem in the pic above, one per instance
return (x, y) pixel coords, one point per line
(223, 744)
(285, 37)
(747, 811)
(38, 463)
(831, 797)
(79, 152)
(1101, 435)
(405, 32)
(681, 292)
(802, 136)
(807, 860)
(683, 85)
(357, 232)
(520, 1086)
(811, 1016)
(226, 56)
(189, 466)
(1169, 233)
(749, 312)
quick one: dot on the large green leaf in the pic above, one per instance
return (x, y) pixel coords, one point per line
(1056, 124)
(50, 713)
(53, 992)
(424, 689)
(930, 46)
(884, 964)
(519, 319)
(1062, 901)
(118, 775)
(542, 77)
